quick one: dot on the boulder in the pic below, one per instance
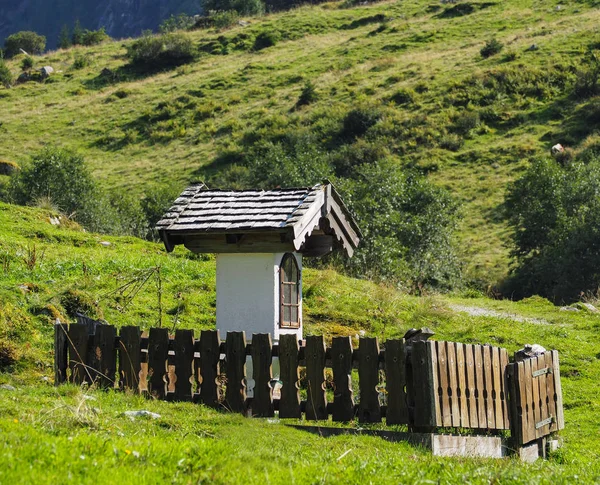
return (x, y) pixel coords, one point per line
(557, 149)
(46, 71)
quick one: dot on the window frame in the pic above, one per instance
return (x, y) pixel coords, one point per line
(287, 281)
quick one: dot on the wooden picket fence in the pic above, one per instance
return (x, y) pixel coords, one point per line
(422, 384)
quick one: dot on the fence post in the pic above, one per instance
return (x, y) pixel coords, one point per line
(183, 346)
(395, 382)
(129, 358)
(262, 402)
(209, 368)
(316, 401)
(424, 362)
(158, 353)
(369, 409)
(235, 353)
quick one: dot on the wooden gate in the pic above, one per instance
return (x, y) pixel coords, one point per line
(535, 397)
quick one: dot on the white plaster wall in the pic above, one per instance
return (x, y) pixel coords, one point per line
(248, 294)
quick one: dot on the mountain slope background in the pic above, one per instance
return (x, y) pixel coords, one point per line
(121, 18)
(471, 123)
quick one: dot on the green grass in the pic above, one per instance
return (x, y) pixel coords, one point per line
(72, 435)
(178, 124)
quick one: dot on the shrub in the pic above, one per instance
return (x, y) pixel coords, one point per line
(81, 61)
(491, 47)
(8, 354)
(452, 142)
(162, 50)
(224, 20)
(403, 96)
(358, 121)
(554, 213)
(64, 38)
(75, 301)
(6, 77)
(308, 95)
(77, 35)
(465, 123)
(182, 21)
(30, 42)
(243, 7)
(93, 37)
(587, 81)
(266, 39)
(27, 63)
(61, 176)
(157, 200)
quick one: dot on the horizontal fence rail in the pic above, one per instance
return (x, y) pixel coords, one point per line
(420, 383)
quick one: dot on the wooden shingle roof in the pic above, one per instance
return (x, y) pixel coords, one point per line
(199, 216)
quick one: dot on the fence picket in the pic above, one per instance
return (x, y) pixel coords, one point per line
(341, 364)
(316, 402)
(471, 386)
(235, 355)
(497, 388)
(461, 390)
(535, 396)
(262, 403)
(488, 387)
(444, 395)
(129, 358)
(78, 353)
(480, 386)
(452, 383)
(550, 403)
(503, 384)
(61, 357)
(209, 368)
(158, 353)
(369, 408)
(558, 399)
(104, 356)
(395, 377)
(183, 346)
(289, 404)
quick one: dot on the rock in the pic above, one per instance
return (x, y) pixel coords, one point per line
(243, 23)
(46, 71)
(55, 221)
(586, 307)
(141, 414)
(529, 351)
(7, 168)
(23, 78)
(568, 309)
(557, 149)
(105, 244)
(8, 387)
(533, 47)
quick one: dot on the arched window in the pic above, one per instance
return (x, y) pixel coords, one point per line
(289, 292)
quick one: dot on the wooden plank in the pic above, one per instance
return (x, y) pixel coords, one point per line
(425, 379)
(461, 390)
(471, 386)
(129, 358)
(522, 406)
(489, 386)
(235, 355)
(444, 384)
(316, 403)
(341, 364)
(550, 392)
(535, 396)
(545, 416)
(183, 347)
(369, 408)
(289, 403)
(560, 417)
(514, 407)
(497, 388)
(105, 356)
(158, 353)
(452, 383)
(61, 349)
(262, 403)
(527, 384)
(210, 388)
(395, 377)
(503, 389)
(78, 354)
(480, 386)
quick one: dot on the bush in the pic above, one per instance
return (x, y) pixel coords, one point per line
(93, 37)
(491, 47)
(554, 213)
(358, 121)
(161, 50)
(243, 7)
(224, 20)
(403, 97)
(81, 61)
(587, 82)
(155, 203)
(6, 77)
(266, 39)
(452, 142)
(308, 95)
(182, 21)
(30, 42)
(27, 63)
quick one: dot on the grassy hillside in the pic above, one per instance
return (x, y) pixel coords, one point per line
(472, 123)
(72, 435)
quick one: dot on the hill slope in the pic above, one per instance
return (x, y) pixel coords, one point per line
(472, 123)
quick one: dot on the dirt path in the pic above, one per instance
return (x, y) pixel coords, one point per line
(475, 311)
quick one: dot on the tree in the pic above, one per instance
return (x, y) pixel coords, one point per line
(28, 41)
(64, 39)
(6, 77)
(554, 213)
(77, 35)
